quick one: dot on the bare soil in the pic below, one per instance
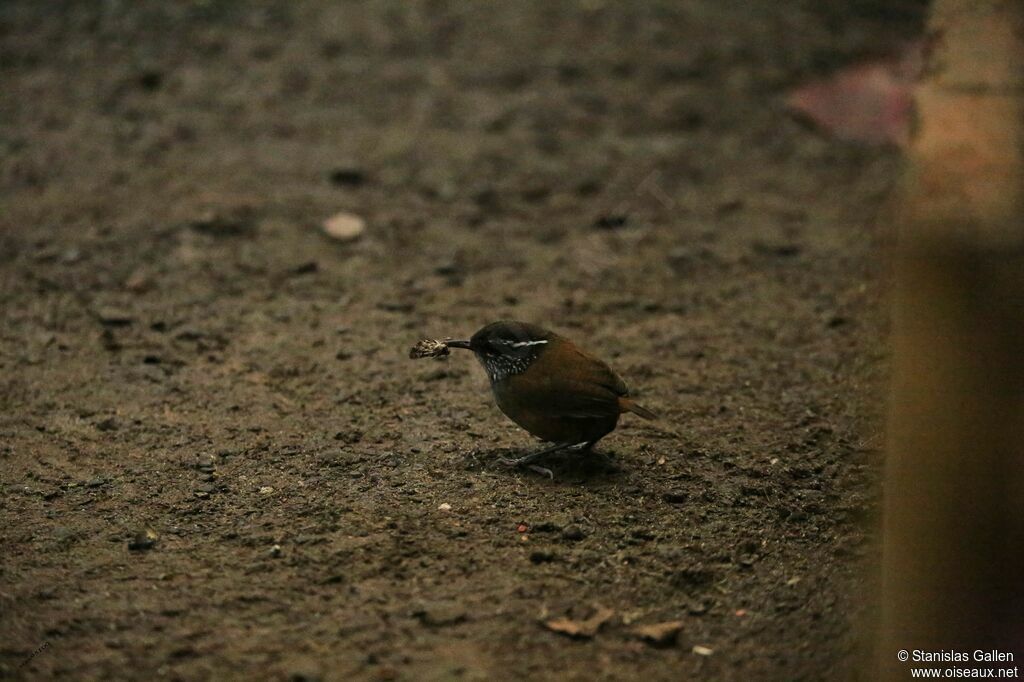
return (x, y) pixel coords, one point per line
(183, 350)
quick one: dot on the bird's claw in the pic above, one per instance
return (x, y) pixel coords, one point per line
(516, 463)
(543, 471)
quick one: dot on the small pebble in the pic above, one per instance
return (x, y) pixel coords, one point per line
(138, 282)
(440, 613)
(228, 221)
(702, 650)
(108, 424)
(143, 540)
(305, 268)
(610, 222)
(348, 176)
(444, 507)
(573, 533)
(836, 321)
(344, 227)
(114, 317)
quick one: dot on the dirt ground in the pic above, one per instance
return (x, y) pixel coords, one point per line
(182, 349)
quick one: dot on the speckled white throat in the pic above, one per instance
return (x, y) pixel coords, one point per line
(503, 365)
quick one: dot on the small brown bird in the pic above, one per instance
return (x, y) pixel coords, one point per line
(548, 386)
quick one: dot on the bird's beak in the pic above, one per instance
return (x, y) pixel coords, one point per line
(454, 343)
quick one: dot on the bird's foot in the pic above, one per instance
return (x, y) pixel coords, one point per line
(543, 471)
(524, 462)
(527, 461)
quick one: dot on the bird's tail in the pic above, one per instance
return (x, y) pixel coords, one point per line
(627, 405)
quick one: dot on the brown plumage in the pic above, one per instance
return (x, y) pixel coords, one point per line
(550, 387)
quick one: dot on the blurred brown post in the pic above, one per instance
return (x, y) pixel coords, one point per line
(953, 552)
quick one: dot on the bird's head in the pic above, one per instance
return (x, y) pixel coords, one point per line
(506, 347)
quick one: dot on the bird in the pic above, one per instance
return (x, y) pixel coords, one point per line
(549, 386)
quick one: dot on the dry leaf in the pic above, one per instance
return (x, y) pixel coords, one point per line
(581, 628)
(659, 634)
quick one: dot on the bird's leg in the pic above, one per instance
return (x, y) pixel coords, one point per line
(527, 460)
(588, 448)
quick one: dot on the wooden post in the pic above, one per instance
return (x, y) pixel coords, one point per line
(953, 549)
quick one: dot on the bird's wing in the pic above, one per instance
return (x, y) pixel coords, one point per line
(603, 375)
(572, 400)
(592, 392)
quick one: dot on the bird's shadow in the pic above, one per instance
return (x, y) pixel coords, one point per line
(568, 465)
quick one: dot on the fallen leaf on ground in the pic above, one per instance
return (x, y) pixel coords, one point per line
(581, 628)
(659, 634)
